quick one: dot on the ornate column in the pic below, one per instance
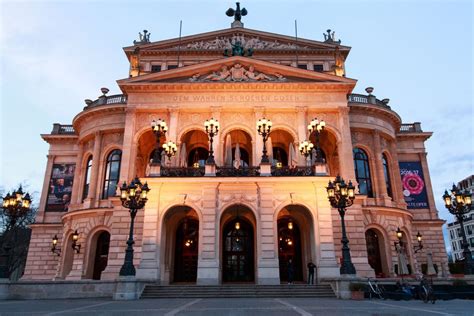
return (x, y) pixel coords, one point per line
(128, 147)
(93, 193)
(346, 159)
(381, 190)
(301, 128)
(429, 187)
(76, 194)
(397, 188)
(258, 142)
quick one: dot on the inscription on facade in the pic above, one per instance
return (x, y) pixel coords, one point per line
(234, 98)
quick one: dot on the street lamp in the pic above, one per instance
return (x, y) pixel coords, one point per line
(305, 148)
(212, 128)
(459, 204)
(15, 206)
(159, 128)
(170, 149)
(133, 197)
(263, 127)
(341, 196)
(317, 126)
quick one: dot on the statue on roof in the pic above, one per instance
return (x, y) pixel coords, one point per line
(237, 14)
(238, 50)
(331, 37)
(144, 38)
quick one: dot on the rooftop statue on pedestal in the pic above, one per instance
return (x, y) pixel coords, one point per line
(330, 37)
(144, 38)
(237, 14)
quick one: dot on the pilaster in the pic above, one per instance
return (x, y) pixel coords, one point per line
(44, 194)
(94, 193)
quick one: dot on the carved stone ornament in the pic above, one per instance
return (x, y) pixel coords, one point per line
(236, 73)
(251, 43)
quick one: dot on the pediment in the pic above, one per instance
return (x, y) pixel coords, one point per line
(236, 69)
(249, 39)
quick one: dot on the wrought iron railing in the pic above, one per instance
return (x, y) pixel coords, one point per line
(241, 172)
(59, 129)
(411, 128)
(182, 172)
(292, 172)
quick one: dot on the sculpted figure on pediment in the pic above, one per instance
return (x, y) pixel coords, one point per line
(236, 73)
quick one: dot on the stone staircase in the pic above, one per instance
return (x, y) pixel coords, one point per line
(237, 290)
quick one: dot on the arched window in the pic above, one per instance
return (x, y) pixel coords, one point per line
(197, 156)
(362, 172)
(386, 174)
(112, 173)
(87, 178)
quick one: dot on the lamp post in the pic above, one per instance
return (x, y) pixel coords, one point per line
(212, 128)
(459, 204)
(263, 127)
(305, 148)
(159, 128)
(317, 126)
(170, 149)
(341, 196)
(15, 206)
(133, 197)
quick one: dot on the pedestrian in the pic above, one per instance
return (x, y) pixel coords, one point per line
(291, 271)
(311, 266)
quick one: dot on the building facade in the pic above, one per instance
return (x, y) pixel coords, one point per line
(241, 221)
(454, 229)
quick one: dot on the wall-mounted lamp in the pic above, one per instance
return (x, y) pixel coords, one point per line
(74, 244)
(290, 224)
(54, 248)
(420, 244)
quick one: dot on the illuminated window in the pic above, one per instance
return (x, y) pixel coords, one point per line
(362, 171)
(87, 178)
(112, 173)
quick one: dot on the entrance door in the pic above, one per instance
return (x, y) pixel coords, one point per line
(186, 251)
(373, 251)
(289, 247)
(237, 255)
(101, 254)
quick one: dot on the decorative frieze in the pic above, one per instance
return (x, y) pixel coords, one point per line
(236, 73)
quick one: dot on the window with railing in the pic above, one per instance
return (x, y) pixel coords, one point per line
(386, 174)
(87, 178)
(112, 173)
(362, 172)
(451, 233)
(454, 246)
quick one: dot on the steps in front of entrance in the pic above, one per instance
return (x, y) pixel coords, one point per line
(226, 291)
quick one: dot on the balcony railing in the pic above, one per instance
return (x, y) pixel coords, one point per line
(107, 100)
(59, 129)
(367, 99)
(241, 172)
(292, 172)
(182, 172)
(411, 128)
(233, 172)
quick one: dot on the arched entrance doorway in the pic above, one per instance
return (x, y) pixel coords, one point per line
(238, 226)
(186, 250)
(238, 252)
(180, 245)
(101, 254)
(289, 248)
(375, 252)
(295, 241)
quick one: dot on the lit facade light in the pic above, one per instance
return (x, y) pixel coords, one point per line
(16, 205)
(264, 127)
(316, 126)
(170, 149)
(54, 246)
(459, 204)
(75, 245)
(237, 225)
(133, 197)
(341, 196)
(159, 128)
(399, 233)
(290, 224)
(212, 128)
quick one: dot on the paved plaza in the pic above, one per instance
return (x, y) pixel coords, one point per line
(235, 306)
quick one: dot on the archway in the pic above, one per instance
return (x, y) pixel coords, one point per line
(295, 241)
(101, 241)
(289, 248)
(180, 245)
(146, 147)
(186, 250)
(280, 143)
(238, 245)
(375, 250)
(329, 150)
(245, 147)
(68, 256)
(196, 144)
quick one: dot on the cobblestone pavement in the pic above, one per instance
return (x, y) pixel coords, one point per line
(235, 306)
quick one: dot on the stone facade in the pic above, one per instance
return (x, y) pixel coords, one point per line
(268, 84)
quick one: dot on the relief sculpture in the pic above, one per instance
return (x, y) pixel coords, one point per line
(236, 73)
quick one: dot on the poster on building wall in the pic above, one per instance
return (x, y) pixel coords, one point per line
(60, 187)
(414, 188)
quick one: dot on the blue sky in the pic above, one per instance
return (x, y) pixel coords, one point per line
(55, 54)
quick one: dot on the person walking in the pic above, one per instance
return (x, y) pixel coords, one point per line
(291, 271)
(311, 266)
